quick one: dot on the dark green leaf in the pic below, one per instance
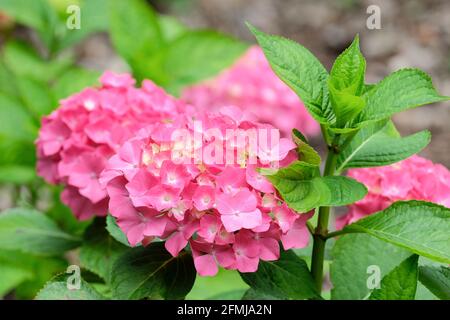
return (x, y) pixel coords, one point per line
(437, 280)
(286, 278)
(151, 272)
(99, 251)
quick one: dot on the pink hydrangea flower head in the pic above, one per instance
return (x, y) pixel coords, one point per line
(413, 178)
(178, 175)
(88, 127)
(252, 86)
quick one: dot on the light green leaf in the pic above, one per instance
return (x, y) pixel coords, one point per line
(355, 257)
(437, 280)
(115, 231)
(56, 289)
(197, 55)
(17, 174)
(15, 123)
(170, 27)
(300, 70)
(134, 17)
(348, 70)
(74, 80)
(421, 227)
(345, 105)
(36, 96)
(303, 190)
(379, 144)
(286, 278)
(400, 283)
(11, 276)
(403, 89)
(99, 251)
(30, 231)
(152, 272)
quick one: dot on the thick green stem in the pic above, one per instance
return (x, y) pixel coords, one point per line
(320, 234)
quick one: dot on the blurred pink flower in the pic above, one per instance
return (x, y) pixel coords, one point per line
(251, 85)
(414, 178)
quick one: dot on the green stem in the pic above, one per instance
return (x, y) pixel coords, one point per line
(320, 234)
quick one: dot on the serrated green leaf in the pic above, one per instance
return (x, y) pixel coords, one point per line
(30, 231)
(152, 272)
(348, 70)
(300, 70)
(353, 257)
(196, 55)
(421, 227)
(379, 144)
(134, 17)
(286, 278)
(56, 289)
(115, 231)
(303, 190)
(437, 280)
(402, 90)
(252, 294)
(400, 283)
(99, 251)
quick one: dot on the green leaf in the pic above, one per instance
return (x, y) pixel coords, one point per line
(36, 96)
(56, 289)
(300, 70)
(74, 80)
(400, 283)
(379, 144)
(349, 69)
(421, 227)
(286, 278)
(252, 294)
(305, 152)
(39, 270)
(353, 257)
(403, 89)
(303, 190)
(37, 14)
(99, 251)
(115, 231)
(30, 231)
(15, 123)
(197, 55)
(345, 105)
(17, 174)
(134, 17)
(93, 18)
(437, 280)
(170, 27)
(152, 272)
(11, 276)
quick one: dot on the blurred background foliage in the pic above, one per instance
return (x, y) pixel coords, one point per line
(173, 43)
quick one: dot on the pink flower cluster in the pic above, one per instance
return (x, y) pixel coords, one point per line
(251, 85)
(229, 214)
(414, 178)
(76, 140)
(116, 149)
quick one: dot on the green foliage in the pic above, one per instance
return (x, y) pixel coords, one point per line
(421, 227)
(99, 250)
(400, 283)
(437, 280)
(152, 272)
(353, 254)
(31, 231)
(115, 231)
(303, 190)
(57, 289)
(286, 278)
